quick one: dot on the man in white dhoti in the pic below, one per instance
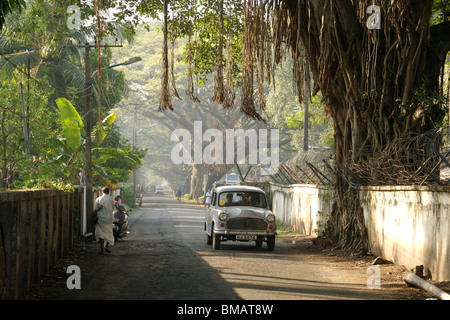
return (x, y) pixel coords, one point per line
(103, 208)
(208, 197)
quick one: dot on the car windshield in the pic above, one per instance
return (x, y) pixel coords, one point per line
(242, 198)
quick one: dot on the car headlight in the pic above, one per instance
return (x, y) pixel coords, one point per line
(270, 218)
(223, 216)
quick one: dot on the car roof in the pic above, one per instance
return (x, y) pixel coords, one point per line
(238, 188)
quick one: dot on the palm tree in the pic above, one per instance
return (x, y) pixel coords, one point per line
(33, 45)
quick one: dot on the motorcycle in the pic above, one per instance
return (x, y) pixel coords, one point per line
(121, 223)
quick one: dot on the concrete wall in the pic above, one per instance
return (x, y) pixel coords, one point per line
(302, 207)
(36, 227)
(410, 226)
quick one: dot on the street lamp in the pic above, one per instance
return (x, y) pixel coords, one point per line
(148, 127)
(126, 63)
(88, 90)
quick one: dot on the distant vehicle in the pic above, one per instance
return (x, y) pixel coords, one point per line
(240, 213)
(231, 179)
(159, 192)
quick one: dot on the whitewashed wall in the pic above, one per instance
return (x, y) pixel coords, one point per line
(410, 226)
(302, 207)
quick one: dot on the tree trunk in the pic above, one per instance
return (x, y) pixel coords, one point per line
(165, 99)
(374, 83)
(197, 181)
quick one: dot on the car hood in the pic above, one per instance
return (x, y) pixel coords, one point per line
(247, 212)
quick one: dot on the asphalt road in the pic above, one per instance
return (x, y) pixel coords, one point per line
(166, 257)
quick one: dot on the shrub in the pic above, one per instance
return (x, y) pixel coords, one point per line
(128, 196)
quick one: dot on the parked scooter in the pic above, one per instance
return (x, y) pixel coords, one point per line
(121, 223)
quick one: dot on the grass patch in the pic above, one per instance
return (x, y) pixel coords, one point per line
(284, 231)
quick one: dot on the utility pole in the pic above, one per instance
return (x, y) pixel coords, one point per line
(306, 99)
(87, 120)
(306, 126)
(88, 117)
(25, 126)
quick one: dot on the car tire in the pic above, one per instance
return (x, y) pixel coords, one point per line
(208, 239)
(270, 243)
(215, 239)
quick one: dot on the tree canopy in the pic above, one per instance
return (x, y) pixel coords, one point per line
(8, 6)
(40, 63)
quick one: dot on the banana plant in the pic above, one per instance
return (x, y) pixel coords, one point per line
(66, 151)
(72, 125)
(69, 152)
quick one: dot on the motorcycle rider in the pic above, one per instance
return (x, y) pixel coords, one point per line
(120, 215)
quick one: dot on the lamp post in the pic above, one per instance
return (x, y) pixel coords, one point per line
(126, 63)
(88, 90)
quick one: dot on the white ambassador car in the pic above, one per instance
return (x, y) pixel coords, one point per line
(240, 213)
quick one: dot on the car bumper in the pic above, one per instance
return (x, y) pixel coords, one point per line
(245, 232)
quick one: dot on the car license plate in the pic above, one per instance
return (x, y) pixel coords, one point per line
(245, 237)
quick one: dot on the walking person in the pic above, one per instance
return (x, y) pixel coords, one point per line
(208, 197)
(103, 209)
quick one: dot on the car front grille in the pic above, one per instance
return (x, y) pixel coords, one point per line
(247, 224)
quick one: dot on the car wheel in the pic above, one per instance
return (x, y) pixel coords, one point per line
(270, 243)
(215, 239)
(208, 239)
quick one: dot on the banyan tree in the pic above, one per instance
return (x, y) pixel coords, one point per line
(379, 69)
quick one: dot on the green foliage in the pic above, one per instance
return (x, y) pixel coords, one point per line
(71, 123)
(285, 112)
(320, 132)
(45, 183)
(284, 230)
(199, 22)
(128, 195)
(7, 6)
(39, 36)
(113, 164)
(116, 164)
(433, 104)
(441, 11)
(41, 127)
